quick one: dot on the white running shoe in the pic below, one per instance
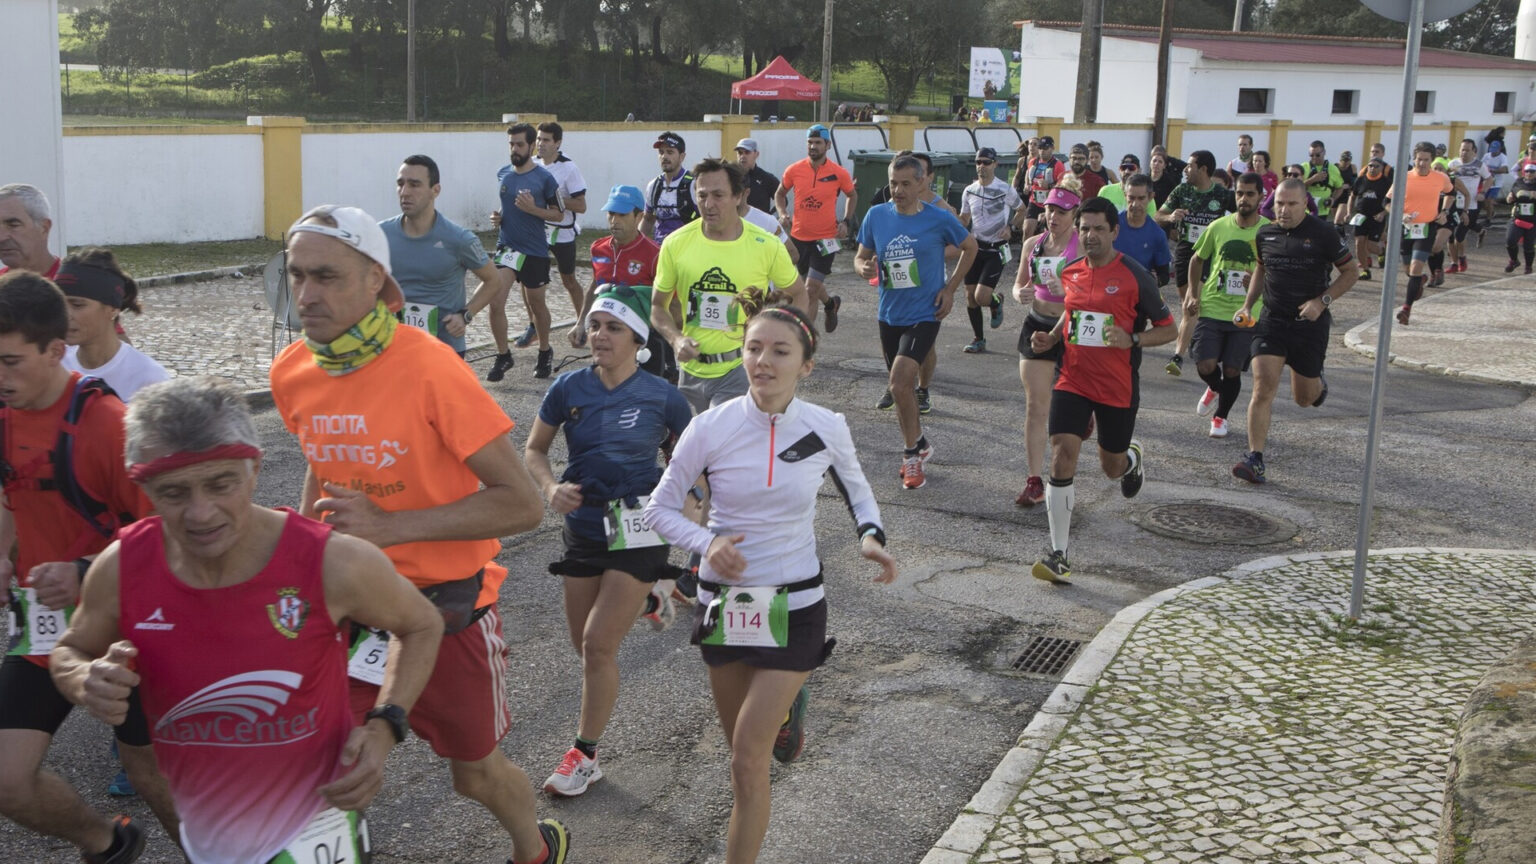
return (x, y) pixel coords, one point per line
(1218, 427)
(659, 610)
(575, 774)
(1207, 403)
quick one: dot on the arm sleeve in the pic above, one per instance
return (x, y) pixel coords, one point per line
(578, 183)
(678, 414)
(848, 476)
(845, 183)
(650, 194)
(867, 232)
(664, 512)
(1014, 201)
(965, 201)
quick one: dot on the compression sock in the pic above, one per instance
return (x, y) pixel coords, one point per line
(1226, 395)
(588, 748)
(1415, 289)
(1058, 511)
(975, 313)
(1213, 380)
(1530, 252)
(1437, 262)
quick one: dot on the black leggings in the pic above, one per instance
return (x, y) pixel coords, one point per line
(1521, 237)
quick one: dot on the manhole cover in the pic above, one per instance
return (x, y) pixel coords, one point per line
(1046, 655)
(1203, 522)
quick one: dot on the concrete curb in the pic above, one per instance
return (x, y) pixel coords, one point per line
(1356, 341)
(239, 271)
(970, 830)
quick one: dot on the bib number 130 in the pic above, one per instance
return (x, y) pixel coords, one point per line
(332, 837)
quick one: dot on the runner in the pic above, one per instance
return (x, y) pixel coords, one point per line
(530, 196)
(1244, 161)
(1043, 172)
(1190, 207)
(1167, 172)
(904, 243)
(669, 199)
(761, 184)
(1222, 349)
(1077, 163)
(1107, 299)
(1475, 179)
(1498, 165)
(1261, 167)
(1323, 179)
(1424, 220)
(615, 418)
(761, 621)
(431, 254)
(405, 449)
(562, 233)
(25, 220)
(1522, 217)
(1130, 166)
(626, 257)
(814, 225)
(1038, 286)
(1097, 168)
(1368, 212)
(1139, 236)
(1348, 175)
(986, 208)
(1296, 255)
(237, 600)
(97, 291)
(44, 470)
(1530, 152)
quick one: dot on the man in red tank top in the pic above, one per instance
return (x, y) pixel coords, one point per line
(233, 634)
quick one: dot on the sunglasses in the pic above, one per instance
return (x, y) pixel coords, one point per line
(1129, 166)
(1296, 174)
(984, 162)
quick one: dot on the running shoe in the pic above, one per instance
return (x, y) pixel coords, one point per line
(912, 476)
(1527, 269)
(1250, 469)
(577, 771)
(127, 839)
(686, 591)
(791, 740)
(1034, 492)
(1052, 568)
(1218, 427)
(557, 840)
(543, 367)
(997, 310)
(1402, 316)
(923, 404)
(1439, 279)
(1461, 264)
(1510, 267)
(121, 786)
(1453, 267)
(831, 307)
(1482, 234)
(886, 401)
(500, 367)
(1175, 366)
(1365, 273)
(526, 338)
(1130, 484)
(976, 346)
(1318, 402)
(659, 611)
(1207, 403)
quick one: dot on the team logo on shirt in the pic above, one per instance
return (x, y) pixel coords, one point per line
(628, 418)
(244, 710)
(806, 447)
(1213, 205)
(1111, 287)
(714, 279)
(635, 267)
(289, 613)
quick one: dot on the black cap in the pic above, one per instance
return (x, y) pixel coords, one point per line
(1047, 141)
(673, 140)
(986, 153)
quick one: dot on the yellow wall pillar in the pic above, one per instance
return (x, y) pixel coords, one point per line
(1373, 129)
(1453, 143)
(1279, 135)
(1050, 126)
(733, 128)
(1175, 140)
(903, 132)
(282, 164)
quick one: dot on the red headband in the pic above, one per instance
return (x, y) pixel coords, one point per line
(141, 472)
(783, 314)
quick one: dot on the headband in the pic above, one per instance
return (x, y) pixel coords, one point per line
(141, 472)
(626, 314)
(1063, 198)
(783, 314)
(78, 279)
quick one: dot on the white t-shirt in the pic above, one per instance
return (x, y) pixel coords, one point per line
(1493, 162)
(572, 185)
(766, 222)
(129, 370)
(1473, 175)
(989, 206)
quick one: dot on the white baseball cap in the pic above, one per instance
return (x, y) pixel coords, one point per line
(357, 229)
(749, 144)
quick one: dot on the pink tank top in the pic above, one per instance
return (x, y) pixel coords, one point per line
(1045, 272)
(245, 688)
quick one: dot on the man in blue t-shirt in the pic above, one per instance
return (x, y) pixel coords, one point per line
(428, 255)
(903, 243)
(530, 196)
(1140, 238)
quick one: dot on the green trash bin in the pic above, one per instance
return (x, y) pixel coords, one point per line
(871, 172)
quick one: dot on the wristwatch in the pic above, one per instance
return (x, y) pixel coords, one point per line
(466, 314)
(1326, 299)
(394, 715)
(1135, 340)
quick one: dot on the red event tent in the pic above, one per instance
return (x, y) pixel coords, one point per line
(778, 80)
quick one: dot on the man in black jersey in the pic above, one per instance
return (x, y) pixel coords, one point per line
(1368, 211)
(1297, 252)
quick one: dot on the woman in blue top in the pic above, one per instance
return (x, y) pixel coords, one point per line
(616, 416)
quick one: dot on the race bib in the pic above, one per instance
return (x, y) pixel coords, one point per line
(332, 837)
(1005, 254)
(1040, 195)
(1192, 232)
(35, 629)
(1048, 272)
(1357, 220)
(1090, 328)
(1418, 231)
(509, 259)
(1526, 208)
(902, 273)
(750, 616)
(1233, 282)
(365, 660)
(1461, 201)
(420, 315)
(829, 246)
(552, 234)
(715, 310)
(625, 528)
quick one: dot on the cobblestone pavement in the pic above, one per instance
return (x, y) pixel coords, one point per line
(1243, 719)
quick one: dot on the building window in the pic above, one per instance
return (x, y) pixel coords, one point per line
(1502, 99)
(1254, 100)
(1423, 101)
(1345, 101)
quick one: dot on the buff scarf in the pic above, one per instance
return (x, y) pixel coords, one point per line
(361, 343)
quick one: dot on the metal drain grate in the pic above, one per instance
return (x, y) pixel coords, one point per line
(1204, 522)
(1047, 655)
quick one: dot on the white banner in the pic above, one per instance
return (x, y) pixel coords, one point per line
(987, 66)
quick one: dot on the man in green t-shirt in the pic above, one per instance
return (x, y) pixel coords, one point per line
(1188, 209)
(1222, 263)
(1322, 178)
(705, 266)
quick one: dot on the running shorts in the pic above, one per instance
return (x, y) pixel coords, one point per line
(912, 340)
(1222, 341)
(987, 269)
(1070, 412)
(29, 700)
(586, 558)
(808, 646)
(1033, 324)
(811, 257)
(533, 271)
(1303, 344)
(564, 255)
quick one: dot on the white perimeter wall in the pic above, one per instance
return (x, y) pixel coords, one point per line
(29, 102)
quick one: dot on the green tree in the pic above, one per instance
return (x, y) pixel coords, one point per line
(906, 42)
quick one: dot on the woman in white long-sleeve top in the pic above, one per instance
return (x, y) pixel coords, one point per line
(761, 620)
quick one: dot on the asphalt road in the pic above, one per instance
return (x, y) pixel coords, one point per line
(917, 703)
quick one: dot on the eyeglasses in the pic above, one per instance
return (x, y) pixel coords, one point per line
(984, 162)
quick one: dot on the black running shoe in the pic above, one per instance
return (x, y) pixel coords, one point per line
(127, 840)
(1052, 568)
(831, 307)
(886, 401)
(500, 367)
(526, 338)
(791, 740)
(924, 405)
(1250, 469)
(1130, 484)
(542, 367)
(556, 839)
(1318, 402)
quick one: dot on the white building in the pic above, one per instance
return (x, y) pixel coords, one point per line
(1240, 79)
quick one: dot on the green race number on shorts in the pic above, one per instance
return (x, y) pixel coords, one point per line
(1418, 231)
(829, 246)
(756, 616)
(1357, 220)
(1526, 208)
(626, 529)
(35, 628)
(332, 837)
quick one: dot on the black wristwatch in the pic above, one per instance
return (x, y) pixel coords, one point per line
(1135, 340)
(1325, 299)
(394, 715)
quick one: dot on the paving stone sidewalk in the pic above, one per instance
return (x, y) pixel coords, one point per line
(1484, 332)
(1242, 718)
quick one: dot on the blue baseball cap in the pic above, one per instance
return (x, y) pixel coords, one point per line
(818, 131)
(624, 199)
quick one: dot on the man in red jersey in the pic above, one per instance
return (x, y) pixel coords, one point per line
(626, 257)
(25, 220)
(233, 634)
(1108, 299)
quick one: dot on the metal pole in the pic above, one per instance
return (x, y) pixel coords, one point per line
(1089, 45)
(1237, 17)
(410, 61)
(1160, 106)
(826, 65)
(1388, 296)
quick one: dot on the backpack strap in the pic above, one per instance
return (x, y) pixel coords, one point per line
(66, 483)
